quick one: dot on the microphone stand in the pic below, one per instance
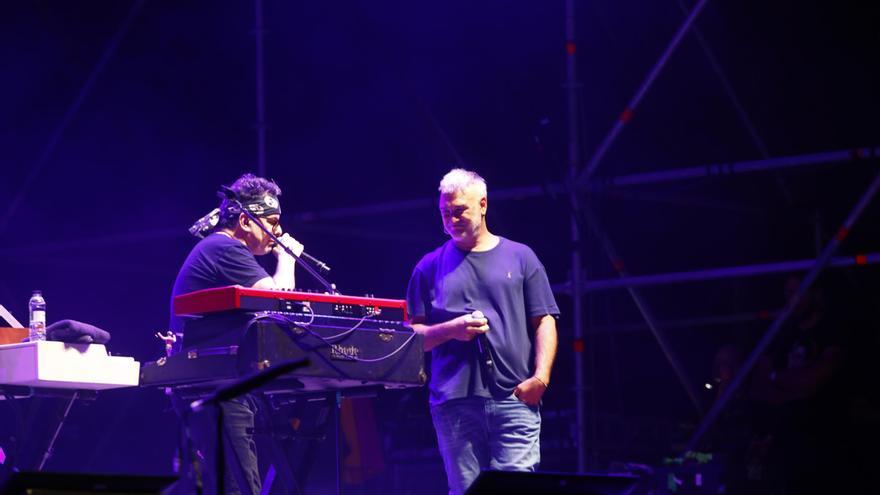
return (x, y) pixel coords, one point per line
(229, 392)
(328, 286)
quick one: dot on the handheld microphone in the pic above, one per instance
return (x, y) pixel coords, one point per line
(483, 346)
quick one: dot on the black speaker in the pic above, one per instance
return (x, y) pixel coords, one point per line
(78, 483)
(518, 483)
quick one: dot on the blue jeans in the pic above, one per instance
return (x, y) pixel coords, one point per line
(475, 433)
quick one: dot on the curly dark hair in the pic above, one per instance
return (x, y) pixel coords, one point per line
(248, 187)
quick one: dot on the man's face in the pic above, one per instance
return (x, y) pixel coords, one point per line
(462, 214)
(258, 242)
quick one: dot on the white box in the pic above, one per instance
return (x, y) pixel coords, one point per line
(52, 364)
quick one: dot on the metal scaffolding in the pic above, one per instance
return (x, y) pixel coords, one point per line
(571, 95)
(856, 156)
(260, 79)
(579, 185)
(741, 271)
(820, 263)
(628, 112)
(36, 169)
(577, 189)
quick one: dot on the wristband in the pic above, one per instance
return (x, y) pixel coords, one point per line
(541, 382)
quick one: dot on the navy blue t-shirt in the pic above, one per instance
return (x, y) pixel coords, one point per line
(216, 261)
(509, 285)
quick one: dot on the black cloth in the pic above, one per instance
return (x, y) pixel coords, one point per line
(76, 332)
(216, 261)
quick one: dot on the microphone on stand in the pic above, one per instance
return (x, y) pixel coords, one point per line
(228, 193)
(315, 261)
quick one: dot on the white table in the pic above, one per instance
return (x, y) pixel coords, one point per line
(30, 367)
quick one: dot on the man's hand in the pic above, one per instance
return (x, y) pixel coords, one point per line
(291, 243)
(466, 327)
(463, 328)
(530, 391)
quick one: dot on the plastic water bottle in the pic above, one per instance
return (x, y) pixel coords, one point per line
(37, 317)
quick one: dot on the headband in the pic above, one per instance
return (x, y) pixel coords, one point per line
(265, 206)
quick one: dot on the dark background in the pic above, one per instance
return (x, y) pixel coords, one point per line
(108, 155)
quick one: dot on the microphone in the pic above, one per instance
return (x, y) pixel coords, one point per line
(483, 346)
(320, 265)
(248, 383)
(315, 261)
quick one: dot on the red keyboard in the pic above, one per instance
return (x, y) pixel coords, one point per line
(235, 297)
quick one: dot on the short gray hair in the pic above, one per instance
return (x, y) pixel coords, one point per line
(459, 179)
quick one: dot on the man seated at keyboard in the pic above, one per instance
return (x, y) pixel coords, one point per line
(226, 256)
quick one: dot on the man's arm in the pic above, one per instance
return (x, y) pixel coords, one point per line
(267, 283)
(532, 389)
(285, 274)
(546, 340)
(784, 386)
(463, 328)
(810, 379)
(284, 277)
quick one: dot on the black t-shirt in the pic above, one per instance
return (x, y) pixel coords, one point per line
(509, 285)
(216, 261)
(800, 344)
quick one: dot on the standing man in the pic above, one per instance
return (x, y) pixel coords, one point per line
(226, 257)
(488, 316)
